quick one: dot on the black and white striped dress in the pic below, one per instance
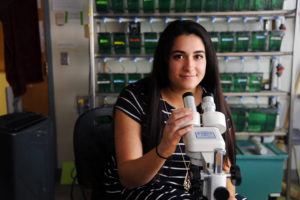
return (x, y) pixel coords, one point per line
(169, 182)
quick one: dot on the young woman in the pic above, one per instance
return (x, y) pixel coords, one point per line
(149, 115)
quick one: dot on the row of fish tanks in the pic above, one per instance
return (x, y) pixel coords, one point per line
(167, 6)
(243, 41)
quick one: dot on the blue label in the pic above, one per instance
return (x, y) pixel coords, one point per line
(119, 81)
(227, 39)
(260, 37)
(205, 135)
(242, 80)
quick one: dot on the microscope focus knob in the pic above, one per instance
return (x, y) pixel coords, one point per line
(221, 193)
(236, 175)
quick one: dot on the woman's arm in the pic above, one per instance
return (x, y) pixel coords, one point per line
(135, 168)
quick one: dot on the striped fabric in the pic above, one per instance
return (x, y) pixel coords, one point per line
(169, 182)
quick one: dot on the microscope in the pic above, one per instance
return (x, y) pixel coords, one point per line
(206, 148)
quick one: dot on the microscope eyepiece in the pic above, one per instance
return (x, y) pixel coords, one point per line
(209, 94)
(187, 94)
(189, 101)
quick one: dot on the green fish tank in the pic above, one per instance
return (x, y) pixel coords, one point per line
(238, 113)
(104, 43)
(227, 42)
(135, 44)
(275, 39)
(134, 77)
(120, 43)
(149, 6)
(260, 5)
(226, 82)
(227, 5)
(243, 5)
(215, 39)
(240, 82)
(104, 83)
(180, 5)
(117, 6)
(259, 39)
(242, 40)
(119, 82)
(164, 6)
(150, 42)
(102, 6)
(255, 82)
(133, 6)
(276, 4)
(211, 6)
(196, 5)
(262, 119)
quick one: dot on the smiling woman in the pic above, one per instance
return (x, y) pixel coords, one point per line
(149, 116)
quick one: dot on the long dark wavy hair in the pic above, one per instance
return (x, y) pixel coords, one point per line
(159, 79)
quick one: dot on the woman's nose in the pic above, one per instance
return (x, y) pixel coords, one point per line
(189, 62)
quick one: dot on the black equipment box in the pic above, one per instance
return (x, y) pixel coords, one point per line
(27, 157)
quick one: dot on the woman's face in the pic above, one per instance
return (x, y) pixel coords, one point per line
(187, 62)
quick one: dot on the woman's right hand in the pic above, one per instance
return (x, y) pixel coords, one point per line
(173, 130)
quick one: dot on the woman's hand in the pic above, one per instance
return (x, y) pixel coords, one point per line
(173, 130)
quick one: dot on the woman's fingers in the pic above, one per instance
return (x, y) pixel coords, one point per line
(181, 132)
(180, 117)
(181, 112)
(175, 128)
(176, 123)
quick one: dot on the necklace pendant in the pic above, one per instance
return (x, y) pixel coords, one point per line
(187, 182)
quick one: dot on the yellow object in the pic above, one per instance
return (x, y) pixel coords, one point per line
(68, 172)
(119, 43)
(3, 85)
(80, 101)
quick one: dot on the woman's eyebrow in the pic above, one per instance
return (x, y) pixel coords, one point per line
(179, 51)
(200, 51)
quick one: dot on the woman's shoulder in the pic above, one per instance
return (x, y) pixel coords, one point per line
(135, 94)
(134, 100)
(138, 89)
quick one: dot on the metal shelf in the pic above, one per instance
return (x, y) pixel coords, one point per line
(266, 93)
(287, 13)
(227, 54)
(240, 54)
(278, 132)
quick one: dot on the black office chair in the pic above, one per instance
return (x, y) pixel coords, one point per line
(93, 146)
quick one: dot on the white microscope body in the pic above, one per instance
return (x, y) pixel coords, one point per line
(205, 147)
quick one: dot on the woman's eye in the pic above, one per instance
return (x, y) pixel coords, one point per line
(198, 56)
(178, 56)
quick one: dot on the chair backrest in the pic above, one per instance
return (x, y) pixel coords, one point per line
(93, 145)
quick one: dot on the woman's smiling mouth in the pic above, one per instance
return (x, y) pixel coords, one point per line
(187, 76)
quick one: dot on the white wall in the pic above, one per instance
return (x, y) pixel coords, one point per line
(72, 80)
(69, 80)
